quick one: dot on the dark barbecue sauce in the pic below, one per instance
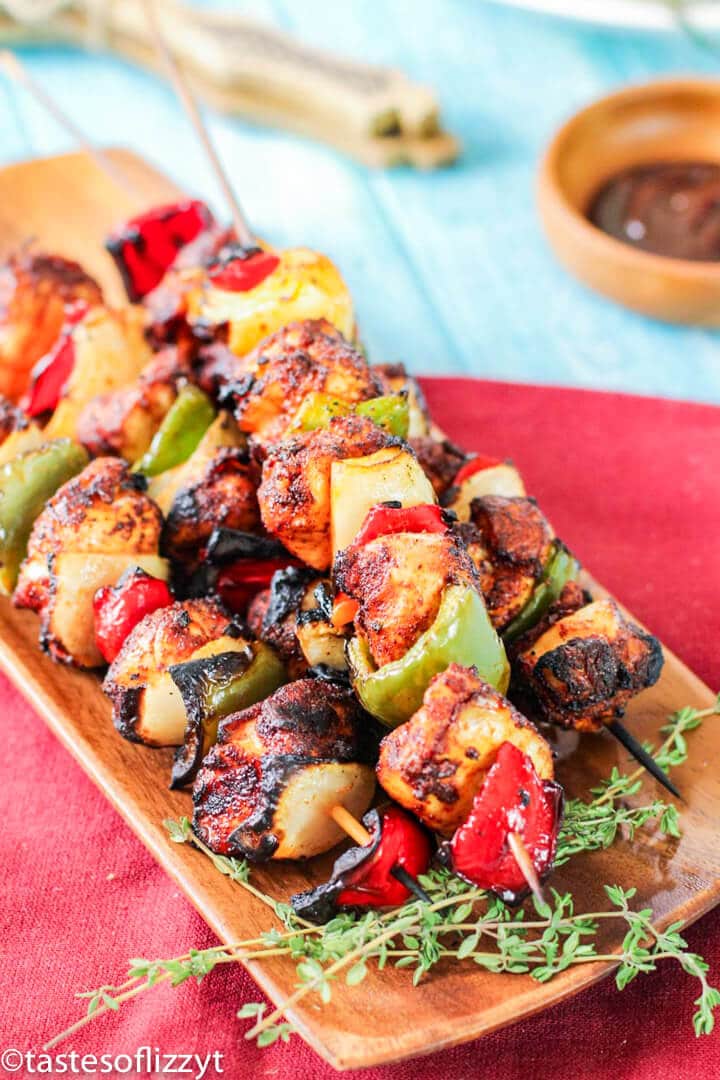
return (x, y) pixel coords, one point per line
(670, 208)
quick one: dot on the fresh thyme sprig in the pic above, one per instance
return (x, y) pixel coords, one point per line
(419, 936)
(594, 825)
(460, 922)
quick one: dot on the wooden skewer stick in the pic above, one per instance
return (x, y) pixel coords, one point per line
(242, 227)
(349, 824)
(12, 66)
(524, 861)
(357, 832)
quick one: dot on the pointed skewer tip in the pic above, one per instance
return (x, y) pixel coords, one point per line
(642, 756)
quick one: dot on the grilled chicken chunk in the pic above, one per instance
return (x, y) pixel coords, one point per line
(266, 788)
(167, 304)
(509, 540)
(299, 359)
(147, 706)
(34, 291)
(98, 525)
(585, 667)
(103, 510)
(398, 582)
(124, 421)
(110, 352)
(294, 495)
(440, 460)
(293, 616)
(221, 494)
(435, 764)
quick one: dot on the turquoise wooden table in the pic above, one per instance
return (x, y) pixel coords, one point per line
(449, 270)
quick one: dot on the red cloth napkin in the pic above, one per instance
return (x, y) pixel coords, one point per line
(632, 485)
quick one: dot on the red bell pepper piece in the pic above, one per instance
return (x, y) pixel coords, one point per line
(476, 464)
(119, 608)
(145, 247)
(512, 799)
(50, 375)
(403, 842)
(383, 520)
(239, 582)
(239, 269)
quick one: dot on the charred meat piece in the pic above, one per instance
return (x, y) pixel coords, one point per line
(167, 304)
(293, 616)
(216, 366)
(398, 581)
(279, 628)
(35, 290)
(124, 421)
(585, 667)
(294, 495)
(440, 460)
(510, 542)
(223, 494)
(435, 763)
(103, 510)
(279, 374)
(12, 419)
(96, 527)
(147, 705)
(266, 788)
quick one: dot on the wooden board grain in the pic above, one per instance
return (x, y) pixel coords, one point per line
(66, 204)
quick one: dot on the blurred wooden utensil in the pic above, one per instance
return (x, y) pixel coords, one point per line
(375, 114)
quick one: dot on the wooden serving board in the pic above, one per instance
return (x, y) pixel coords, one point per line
(67, 205)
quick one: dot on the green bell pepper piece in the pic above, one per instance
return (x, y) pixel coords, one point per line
(26, 484)
(391, 412)
(461, 633)
(317, 410)
(185, 423)
(215, 686)
(561, 567)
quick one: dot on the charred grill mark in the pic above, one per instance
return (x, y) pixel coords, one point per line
(581, 673)
(166, 637)
(280, 633)
(254, 837)
(242, 780)
(287, 590)
(590, 664)
(125, 712)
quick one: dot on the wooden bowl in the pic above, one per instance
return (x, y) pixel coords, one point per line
(673, 120)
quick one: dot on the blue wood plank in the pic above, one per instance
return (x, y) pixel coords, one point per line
(450, 270)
